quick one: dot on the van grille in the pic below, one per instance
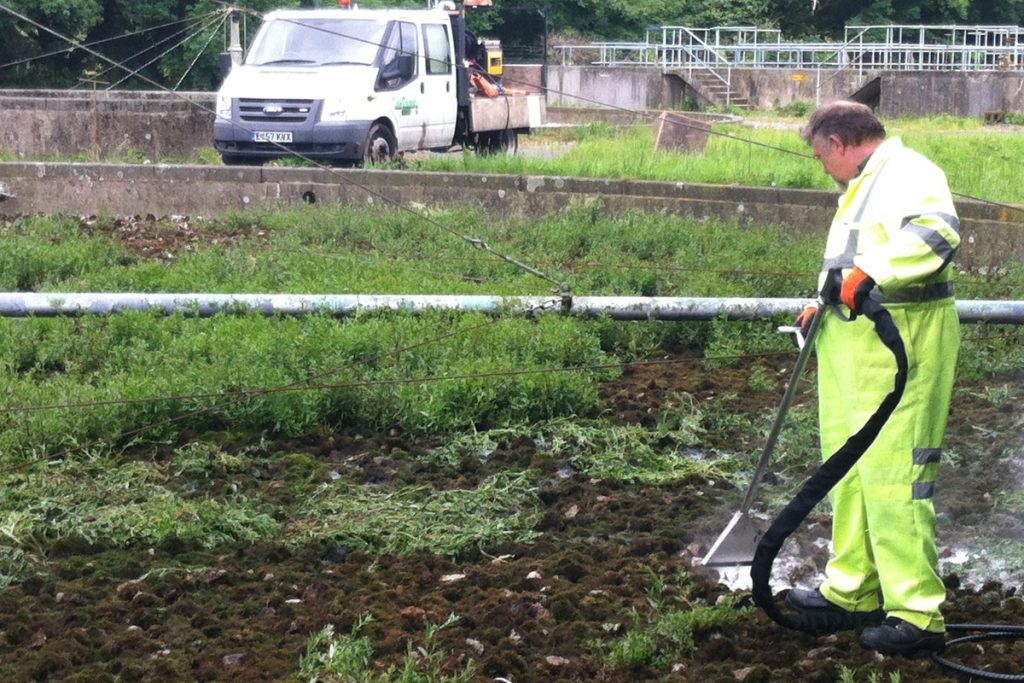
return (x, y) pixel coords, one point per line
(279, 111)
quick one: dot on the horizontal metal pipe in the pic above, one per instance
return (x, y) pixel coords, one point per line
(50, 304)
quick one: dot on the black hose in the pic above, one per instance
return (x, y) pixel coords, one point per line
(822, 481)
(818, 486)
(984, 632)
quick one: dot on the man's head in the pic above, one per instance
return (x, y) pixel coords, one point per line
(843, 134)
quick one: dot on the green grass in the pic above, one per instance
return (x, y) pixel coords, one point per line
(977, 161)
(103, 500)
(666, 630)
(229, 371)
(409, 519)
(348, 658)
(152, 399)
(602, 449)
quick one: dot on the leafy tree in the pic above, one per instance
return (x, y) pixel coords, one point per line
(177, 42)
(996, 12)
(23, 40)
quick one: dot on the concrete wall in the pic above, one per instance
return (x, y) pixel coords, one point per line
(102, 125)
(992, 233)
(773, 88)
(903, 93)
(158, 126)
(624, 87)
(971, 94)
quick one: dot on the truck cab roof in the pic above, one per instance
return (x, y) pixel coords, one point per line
(399, 14)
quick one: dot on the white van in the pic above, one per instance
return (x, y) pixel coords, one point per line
(350, 86)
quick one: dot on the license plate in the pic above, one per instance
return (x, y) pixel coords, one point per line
(271, 136)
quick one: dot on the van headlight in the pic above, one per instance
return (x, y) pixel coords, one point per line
(334, 110)
(223, 107)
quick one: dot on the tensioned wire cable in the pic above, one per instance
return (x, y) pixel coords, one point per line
(211, 25)
(478, 243)
(188, 33)
(199, 53)
(588, 100)
(101, 41)
(645, 115)
(561, 286)
(300, 386)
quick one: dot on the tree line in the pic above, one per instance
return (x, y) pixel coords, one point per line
(175, 43)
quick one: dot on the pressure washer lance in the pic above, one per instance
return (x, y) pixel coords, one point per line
(736, 544)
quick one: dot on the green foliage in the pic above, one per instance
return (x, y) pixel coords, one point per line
(451, 522)
(988, 350)
(101, 499)
(331, 658)
(233, 365)
(798, 109)
(848, 675)
(598, 448)
(760, 380)
(40, 251)
(733, 340)
(348, 658)
(668, 631)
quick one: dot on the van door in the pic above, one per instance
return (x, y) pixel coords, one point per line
(438, 85)
(399, 84)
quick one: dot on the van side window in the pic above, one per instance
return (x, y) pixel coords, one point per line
(399, 57)
(437, 49)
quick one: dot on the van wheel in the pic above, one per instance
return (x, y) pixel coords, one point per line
(509, 142)
(381, 145)
(498, 142)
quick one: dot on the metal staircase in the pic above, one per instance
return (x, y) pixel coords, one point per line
(711, 87)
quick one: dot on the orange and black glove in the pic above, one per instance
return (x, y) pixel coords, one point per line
(856, 287)
(803, 322)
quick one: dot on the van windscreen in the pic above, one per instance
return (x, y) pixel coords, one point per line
(316, 42)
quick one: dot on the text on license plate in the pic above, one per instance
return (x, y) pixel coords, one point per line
(271, 136)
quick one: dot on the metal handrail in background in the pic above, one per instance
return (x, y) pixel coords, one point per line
(867, 47)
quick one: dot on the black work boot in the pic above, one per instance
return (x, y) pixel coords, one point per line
(899, 637)
(819, 616)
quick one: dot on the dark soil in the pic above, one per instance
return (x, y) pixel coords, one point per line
(527, 612)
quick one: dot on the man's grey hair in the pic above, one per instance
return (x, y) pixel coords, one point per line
(852, 122)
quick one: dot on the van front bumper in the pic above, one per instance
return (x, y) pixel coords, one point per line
(342, 141)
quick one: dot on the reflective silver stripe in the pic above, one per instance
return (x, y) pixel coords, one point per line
(845, 259)
(867, 194)
(923, 490)
(923, 456)
(949, 219)
(916, 293)
(841, 261)
(934, 239)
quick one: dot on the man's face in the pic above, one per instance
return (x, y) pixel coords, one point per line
(839, 161)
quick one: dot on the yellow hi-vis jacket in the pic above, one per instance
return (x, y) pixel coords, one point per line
(897, 223)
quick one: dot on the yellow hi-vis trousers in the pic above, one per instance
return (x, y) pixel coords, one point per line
(883, 530)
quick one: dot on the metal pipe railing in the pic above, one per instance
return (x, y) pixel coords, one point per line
(53, 304)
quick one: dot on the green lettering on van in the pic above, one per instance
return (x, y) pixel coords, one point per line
(406, 105)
